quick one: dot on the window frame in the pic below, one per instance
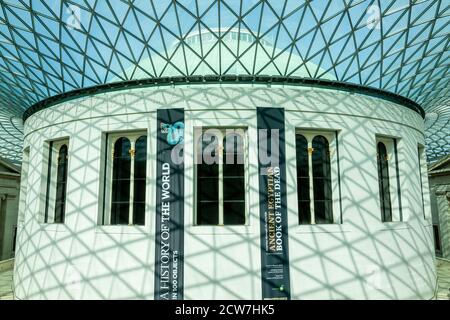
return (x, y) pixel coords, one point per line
(110, 140)
(437, 238)
(332, 137)
(423, 179)
(198, 132)
(14, 239)
(51, 165)
(392, 150)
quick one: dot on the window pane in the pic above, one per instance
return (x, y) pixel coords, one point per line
(321, 157)
(122, 159)
(207, 183)
(233, 188)
(139, 213)
(140, 157)
(208, 144)
(303, 180)
(304, 212)
(119, 212)
(233, 170)
(121, 190)
(61, 182)
(437, 238)
(140, 170)
(233, 212)
(208, 189)
(233, 143)
(319, 186)
(60, 191)
(207, 213)
(139, 190)
(323, 209)
(383, 182)
(120, 204)
(303, 189)
(233, 180)
(207, 170)
(233, 156)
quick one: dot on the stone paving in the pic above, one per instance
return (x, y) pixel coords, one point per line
(6, 278)
(443, 270)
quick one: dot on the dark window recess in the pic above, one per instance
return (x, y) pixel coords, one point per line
(120, 201)
(14, 239)
(323, 201)
(304, 200)
(49, 175)
(207, 212)
(437, 238)
(232, 176)
(233, 181)
(383, 182)
(61, 184)
(207, 184)
(140, 173)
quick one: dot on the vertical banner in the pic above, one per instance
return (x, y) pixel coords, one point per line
(169, 205)
(273, 207)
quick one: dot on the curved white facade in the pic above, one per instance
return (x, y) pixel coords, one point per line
(357, 257)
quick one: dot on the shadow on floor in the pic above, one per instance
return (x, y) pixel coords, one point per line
(443, 271)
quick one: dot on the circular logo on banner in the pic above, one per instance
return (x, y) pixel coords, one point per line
(175, 132)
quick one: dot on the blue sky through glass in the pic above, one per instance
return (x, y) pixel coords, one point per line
(50, 47)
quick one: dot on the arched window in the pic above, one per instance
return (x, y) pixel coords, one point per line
(220, 177)
(120, 200)
(303, 180)
(140, 174)
(57, 172)
(61, 183)
(125, 179)
(315, 183)
(383, 182)
(323, 201)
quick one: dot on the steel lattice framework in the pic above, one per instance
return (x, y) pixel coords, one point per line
(52, 47)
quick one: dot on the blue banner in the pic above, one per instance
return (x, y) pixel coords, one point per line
(169, 205)
(273, 207)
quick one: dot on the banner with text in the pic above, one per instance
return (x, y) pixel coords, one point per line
(273, 207)
(169, 205)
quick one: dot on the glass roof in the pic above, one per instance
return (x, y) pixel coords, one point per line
(52, 47)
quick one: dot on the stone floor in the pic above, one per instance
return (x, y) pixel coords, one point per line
(6, 278)
(443, 270)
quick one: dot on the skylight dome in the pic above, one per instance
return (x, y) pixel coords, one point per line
(49, 48)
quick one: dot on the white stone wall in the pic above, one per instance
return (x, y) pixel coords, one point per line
(361, 258)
